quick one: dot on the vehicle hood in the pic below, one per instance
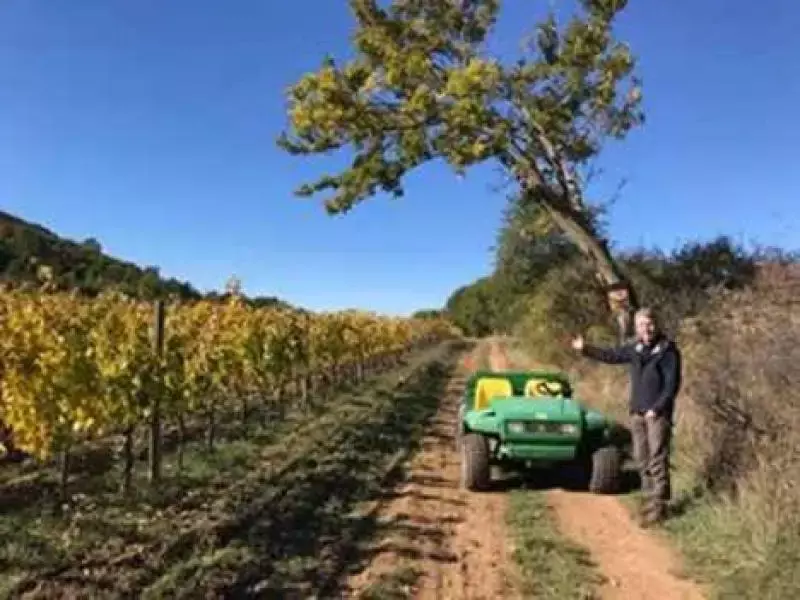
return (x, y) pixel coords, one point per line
(542, 408)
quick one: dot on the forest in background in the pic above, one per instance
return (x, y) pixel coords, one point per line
(26, 248)
(540, 277)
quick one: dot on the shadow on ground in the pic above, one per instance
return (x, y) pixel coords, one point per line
(565, 479)
(307, 537)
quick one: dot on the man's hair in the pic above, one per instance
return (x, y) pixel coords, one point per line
(646, 312)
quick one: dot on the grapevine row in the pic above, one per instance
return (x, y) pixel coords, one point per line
(74, 368)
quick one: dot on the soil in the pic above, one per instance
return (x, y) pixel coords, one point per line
(637, 564)
(455, 542)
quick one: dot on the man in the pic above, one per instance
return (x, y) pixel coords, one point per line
(655, 372)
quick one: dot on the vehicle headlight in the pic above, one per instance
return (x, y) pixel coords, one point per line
(516, 427)
(568, 428)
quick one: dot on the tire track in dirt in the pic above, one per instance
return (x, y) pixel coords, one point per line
(454, 541)
(636, 564)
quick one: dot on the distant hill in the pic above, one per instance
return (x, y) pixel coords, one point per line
(25, 247)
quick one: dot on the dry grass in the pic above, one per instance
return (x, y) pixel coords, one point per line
(737, 443)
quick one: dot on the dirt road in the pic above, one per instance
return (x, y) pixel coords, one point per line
(637, 564)
(439, 541)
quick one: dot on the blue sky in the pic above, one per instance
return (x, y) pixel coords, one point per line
(150, 126)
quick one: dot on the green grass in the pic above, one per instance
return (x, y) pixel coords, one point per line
(549, 565)
(732, 547)
(264, 514)
(729, 549)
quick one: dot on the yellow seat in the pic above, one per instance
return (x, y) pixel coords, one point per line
(543, 387)
(488, 387)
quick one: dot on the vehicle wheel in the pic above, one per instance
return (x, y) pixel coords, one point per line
(606, 470)
(577, 475)
(475, 470)
(459, 433)
(498, 472)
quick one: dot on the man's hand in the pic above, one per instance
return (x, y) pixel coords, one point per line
(650, 414)
(578, 343)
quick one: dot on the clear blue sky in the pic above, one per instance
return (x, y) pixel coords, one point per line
(150, 126)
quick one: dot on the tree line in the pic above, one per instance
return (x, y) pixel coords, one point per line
(26, 249)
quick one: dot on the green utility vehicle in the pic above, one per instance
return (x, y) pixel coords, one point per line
(523, 419)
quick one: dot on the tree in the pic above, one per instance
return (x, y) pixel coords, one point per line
(92, 245)
(529, 245)
(148, 285)
(473, 308)
(421, 87)
(427, 313)
(233, 286)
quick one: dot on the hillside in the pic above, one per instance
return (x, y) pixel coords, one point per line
(26, 246)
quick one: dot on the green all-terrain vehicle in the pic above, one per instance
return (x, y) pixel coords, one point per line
(522, 419)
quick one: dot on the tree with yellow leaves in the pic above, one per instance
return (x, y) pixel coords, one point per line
(421, 87)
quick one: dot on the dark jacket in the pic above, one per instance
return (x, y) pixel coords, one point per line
(655, 373)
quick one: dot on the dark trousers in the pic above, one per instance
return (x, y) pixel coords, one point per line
(651, 446)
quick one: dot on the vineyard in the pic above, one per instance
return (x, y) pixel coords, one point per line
(75, 369)
(160, 438)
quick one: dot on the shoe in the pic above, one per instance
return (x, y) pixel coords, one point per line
(643, 509)
(655, 517)
(650, 513)
(643, 521)
(643, 514)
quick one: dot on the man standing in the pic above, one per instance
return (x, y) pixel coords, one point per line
(655, 372)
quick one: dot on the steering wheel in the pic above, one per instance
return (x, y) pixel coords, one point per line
(549, 388)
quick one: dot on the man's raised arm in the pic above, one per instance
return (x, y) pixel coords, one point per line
(612, 356)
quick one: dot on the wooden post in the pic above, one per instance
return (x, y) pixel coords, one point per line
(154, 453)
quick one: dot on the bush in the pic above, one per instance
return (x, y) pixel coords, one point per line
(739, 435)
(565, 303)
(741, 396)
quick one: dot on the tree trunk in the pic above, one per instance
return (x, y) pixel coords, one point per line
(64, 475)
(181, 440)
(602, 261)
(127, 462)
(211, 426)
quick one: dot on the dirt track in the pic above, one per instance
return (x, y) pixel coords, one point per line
(637, 564)
(456, 542)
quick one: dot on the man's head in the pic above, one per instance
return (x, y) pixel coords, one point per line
(646, 325)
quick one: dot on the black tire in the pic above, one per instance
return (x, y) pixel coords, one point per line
(459, 432)
(606, 470)
(577, 475)
(475, 470)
